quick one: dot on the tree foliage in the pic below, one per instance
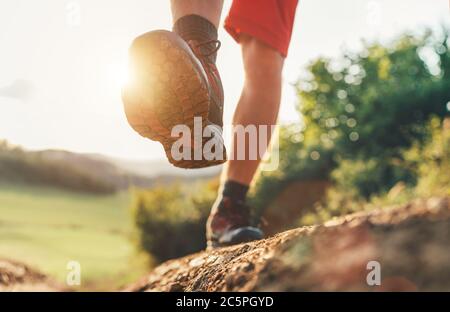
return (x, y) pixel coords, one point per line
(360, 112)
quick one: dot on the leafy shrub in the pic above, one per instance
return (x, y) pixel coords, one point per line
(171, 220)
(429, 162)
(370, 176)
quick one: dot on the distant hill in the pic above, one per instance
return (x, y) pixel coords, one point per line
(86, 172)
(102, 170)
(158, 168)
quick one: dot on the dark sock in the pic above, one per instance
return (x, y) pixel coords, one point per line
(235, 190)
(198, 28)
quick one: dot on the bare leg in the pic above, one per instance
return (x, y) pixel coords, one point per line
(209, 9)
(259, 102)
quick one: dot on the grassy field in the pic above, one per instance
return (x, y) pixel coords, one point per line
(46, 228)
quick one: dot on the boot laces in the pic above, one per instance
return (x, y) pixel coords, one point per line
(209, 42)
(238, 213)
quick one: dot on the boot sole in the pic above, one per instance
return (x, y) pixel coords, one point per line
(237, 236)
(168, 87)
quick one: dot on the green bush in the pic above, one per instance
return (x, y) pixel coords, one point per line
(429, 162)
(370, 176)
(170, 220)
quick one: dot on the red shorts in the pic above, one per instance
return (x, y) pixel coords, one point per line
(270, 21)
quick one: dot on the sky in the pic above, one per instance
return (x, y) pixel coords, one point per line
(62, 62)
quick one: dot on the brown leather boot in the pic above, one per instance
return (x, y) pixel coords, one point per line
(172, 83)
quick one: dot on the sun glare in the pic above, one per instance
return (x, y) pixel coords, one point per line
(117, 75)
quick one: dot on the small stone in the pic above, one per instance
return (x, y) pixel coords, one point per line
(176, 287)
(218, 277)
(197, 262)
(240, 280)
(229, 282)
(436, 204)
(248, 267)
(212, 259)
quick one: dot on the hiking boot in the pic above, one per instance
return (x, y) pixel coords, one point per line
(229, 224)
(174, 82)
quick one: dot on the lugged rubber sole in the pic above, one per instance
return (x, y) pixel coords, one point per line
(237, 236)
(168, 87)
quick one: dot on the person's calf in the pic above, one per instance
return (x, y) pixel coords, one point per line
(258, 107)
(262, 64)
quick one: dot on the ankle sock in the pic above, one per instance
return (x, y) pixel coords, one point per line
(235, 190)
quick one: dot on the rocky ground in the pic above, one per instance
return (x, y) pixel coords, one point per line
(15, 276)
(411, 243)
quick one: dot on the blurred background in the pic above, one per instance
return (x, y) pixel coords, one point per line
(363, 125)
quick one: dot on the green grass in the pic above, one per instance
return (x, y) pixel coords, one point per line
(46, 228)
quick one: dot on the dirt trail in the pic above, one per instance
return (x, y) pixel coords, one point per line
(410, 242)
(15, 276)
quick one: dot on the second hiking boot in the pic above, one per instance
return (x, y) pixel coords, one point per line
(176, 83)
(230, 223)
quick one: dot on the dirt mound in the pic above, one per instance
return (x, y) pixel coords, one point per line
(410, 243)
(15, 276)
